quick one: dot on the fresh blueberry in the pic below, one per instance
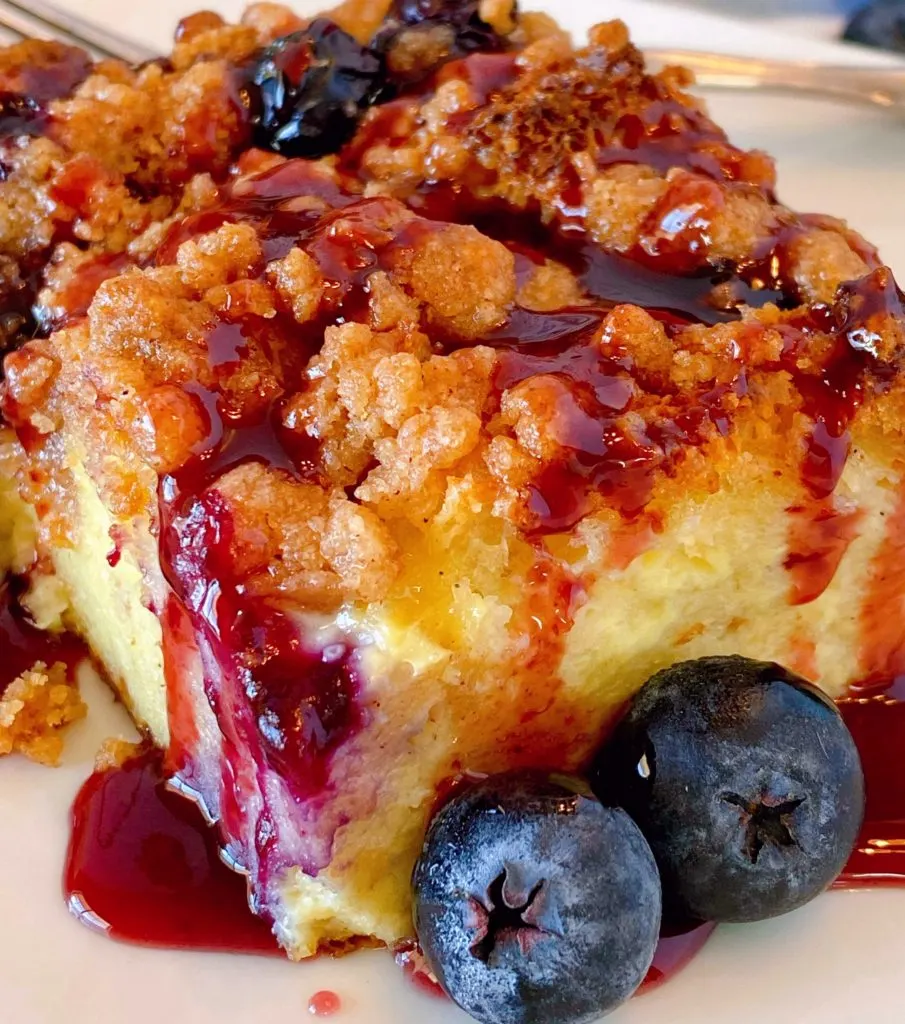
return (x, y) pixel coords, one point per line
(534, 904)
(879, 24)
(420, 35)
(745, 781)
(308, 91)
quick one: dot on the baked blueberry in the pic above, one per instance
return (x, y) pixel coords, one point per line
(20, 115)
(534, 903)
(745, 781)
(420, 35)
(308, 91)
(879, 24)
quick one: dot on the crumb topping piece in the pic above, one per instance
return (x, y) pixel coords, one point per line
(35, 708)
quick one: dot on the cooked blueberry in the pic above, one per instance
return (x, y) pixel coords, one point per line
(745, 781)
(420, 35)
(879, 24)
(534, 904)
(20, 115)
(308, 91)
(462, 16)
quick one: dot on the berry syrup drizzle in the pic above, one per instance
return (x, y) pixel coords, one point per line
(603, 457)
(259, 668)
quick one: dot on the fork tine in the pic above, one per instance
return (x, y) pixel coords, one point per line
(44, 21)
(11, 21)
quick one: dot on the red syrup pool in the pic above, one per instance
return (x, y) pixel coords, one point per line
(144, 867)
(676, 949)
(876, 717)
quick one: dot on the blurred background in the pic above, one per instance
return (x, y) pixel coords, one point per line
(880, 23)
(777, 8)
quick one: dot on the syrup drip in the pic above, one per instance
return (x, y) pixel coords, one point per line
(833, 396)
(324, 1004)
(602, 456)
(196, 556)
(819, 536)
(609, 278)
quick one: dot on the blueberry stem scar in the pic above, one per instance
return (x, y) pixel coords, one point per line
(500, 922)
(764, 822)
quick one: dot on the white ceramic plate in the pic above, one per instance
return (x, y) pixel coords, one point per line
(835, 962)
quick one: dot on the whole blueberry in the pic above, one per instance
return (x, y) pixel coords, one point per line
(879, 24)
(308, 91)
(534, 904)
(745, 781)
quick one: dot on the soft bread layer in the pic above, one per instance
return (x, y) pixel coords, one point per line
(109, 606)
(712, 581)
(715, 582)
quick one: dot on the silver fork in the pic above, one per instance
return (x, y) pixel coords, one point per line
(882, 87)
(40, 20)
(878, 86)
